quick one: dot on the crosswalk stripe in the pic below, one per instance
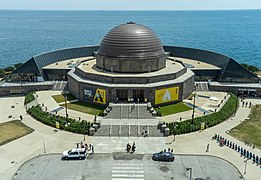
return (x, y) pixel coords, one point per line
(128, 164)
(127, 168)
(127, 171)
(127, 178)
(128, 175)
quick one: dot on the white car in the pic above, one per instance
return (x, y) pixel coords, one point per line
(75, 153)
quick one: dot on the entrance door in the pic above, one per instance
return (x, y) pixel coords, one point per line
(122, 94)
(138, 94)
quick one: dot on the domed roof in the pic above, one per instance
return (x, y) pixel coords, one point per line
(131, 40)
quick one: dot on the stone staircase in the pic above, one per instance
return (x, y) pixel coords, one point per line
(60, 85)
(202, 86)
(128, 120)
(129, 111)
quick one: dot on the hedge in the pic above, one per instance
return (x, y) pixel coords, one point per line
(210, 120)
(49, 119)
(29, 97)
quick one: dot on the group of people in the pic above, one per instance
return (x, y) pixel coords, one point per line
(84, 145)
(130, 148)
(245, 153)
(246, 103)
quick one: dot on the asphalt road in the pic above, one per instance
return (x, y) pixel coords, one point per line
(122, 166)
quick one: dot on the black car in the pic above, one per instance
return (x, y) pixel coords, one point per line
(163, 156)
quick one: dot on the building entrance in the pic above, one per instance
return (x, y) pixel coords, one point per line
(122, 94)
(138, 95)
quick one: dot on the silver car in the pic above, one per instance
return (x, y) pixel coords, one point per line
(163, 156)
(75, 153)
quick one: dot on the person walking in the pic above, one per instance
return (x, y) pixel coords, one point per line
(207, 148)
(21, 117)
(133, 147)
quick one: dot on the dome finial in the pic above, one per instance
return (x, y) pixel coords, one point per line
(131, 22)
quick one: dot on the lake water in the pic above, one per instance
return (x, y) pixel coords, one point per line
(24, 34)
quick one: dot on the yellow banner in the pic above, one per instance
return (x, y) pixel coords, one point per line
(166, 95)
(100, 96)
(57, 125)
(202, 126)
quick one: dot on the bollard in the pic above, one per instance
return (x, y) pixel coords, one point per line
(91, 131)
(98, 122)
(167, 132)
(163, 127)
(95, 126)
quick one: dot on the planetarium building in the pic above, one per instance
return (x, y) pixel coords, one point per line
(131, 65)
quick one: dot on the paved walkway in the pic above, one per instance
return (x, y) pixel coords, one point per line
(22, 149)
(45, 97)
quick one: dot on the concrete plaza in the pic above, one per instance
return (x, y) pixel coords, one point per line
(45, 140)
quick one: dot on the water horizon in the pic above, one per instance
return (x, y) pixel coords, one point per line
(26, 33)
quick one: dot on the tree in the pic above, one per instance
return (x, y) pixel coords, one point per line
(2, 73)
(17, 65)
(9, 69)
(250, 67)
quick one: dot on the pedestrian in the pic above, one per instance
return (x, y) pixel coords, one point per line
(254, 146)
(243, 103)
(207, 148)
(246, 104)
(21, 117)
(90, 146)
(92, 149)
(250, 104)
(133, 147)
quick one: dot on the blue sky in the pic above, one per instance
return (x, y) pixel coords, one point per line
(130, 4)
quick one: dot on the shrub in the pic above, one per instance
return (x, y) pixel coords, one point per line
(9, 69)
(29, 97)
(50, 119)
(210, 120)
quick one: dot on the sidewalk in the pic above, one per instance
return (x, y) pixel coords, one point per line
(45, 97)
(27, 147)
(34, 144)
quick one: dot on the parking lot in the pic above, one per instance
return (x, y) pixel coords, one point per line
(122, 166)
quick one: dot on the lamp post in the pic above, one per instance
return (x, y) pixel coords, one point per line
(245, 161)
(190, 173)
(194, 104)
(65, 93)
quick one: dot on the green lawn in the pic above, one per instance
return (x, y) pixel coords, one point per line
(250, 130)
(60, 98)
(85, 108)
(173, 108)
(12, 130)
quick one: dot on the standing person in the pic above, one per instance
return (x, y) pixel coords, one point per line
(128, 147)
(92, 149)
(21, 117)
(207, 148)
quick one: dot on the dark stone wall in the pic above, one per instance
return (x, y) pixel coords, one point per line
(146, 64)
(8, 90)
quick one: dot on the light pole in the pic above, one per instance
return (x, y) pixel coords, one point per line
(190, 173)
(64, 93)
(245, 161)
(194, 103)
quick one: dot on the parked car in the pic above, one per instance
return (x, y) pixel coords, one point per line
(163, 156)
(75, 153)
